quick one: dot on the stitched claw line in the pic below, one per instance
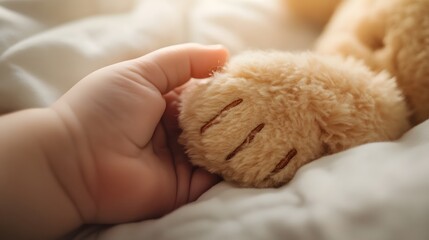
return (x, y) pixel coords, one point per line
(246, 141)
(283, 163)
(215, 119)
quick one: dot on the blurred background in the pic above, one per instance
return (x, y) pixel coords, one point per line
(46, 46)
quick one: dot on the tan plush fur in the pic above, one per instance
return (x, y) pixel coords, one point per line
(263, 116)
(316, 12)
(386, 34)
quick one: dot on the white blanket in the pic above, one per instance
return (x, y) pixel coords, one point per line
(375, 191)
(46, 46)
(378, 191)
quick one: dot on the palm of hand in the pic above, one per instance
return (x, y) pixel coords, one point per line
(141, 161)
(133, 166)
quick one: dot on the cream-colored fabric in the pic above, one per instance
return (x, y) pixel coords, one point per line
(378, 191)
(48, 45)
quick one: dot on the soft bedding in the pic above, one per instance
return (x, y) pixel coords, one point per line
(375, 191)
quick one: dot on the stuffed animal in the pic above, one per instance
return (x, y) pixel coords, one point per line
(267, 113)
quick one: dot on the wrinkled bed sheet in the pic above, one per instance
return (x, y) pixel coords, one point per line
(375, 191)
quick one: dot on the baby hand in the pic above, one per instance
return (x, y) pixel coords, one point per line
(123, 120)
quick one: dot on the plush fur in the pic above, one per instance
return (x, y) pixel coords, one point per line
(263, 116)
(388, 35)
(317, 12)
